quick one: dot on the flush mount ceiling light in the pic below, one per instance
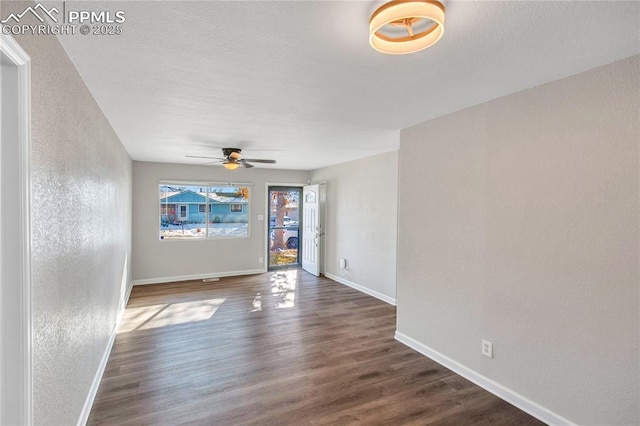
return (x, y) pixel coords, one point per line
(406, 26)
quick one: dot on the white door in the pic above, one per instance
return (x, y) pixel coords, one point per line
(183, 214)
(311, 229)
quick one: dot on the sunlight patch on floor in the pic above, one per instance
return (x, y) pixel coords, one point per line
(155, 316)
(256, 305)
(283, 288)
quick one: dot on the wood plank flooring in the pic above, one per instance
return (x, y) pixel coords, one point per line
(282, 348)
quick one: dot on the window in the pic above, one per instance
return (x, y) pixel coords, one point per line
(197, 211)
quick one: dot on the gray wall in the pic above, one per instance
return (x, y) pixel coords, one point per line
(157, 260)
(81, 224)
(518, 223)
(361, 222)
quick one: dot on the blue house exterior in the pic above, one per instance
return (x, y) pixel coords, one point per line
(191, 207)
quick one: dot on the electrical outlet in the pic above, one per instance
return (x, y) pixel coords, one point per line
(487, 348)
(260, 259)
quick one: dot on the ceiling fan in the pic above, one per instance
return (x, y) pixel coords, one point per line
(233, 159)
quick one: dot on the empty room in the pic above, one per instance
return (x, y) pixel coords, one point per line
(320, 212)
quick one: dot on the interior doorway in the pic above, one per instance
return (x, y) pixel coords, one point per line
(283, 227)
(15, 236)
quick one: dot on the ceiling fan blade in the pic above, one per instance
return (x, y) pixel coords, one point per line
(255, 160)
(208, 158)
(245, 164)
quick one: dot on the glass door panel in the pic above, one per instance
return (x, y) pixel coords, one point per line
(284, 227)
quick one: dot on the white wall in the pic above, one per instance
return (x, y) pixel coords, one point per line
(81, 225)
(166, 260)
(519, 223)
(361, 223)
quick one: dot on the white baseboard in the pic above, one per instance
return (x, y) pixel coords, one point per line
(197, 277)
(514, 398)
(93, 390)
(383, 297)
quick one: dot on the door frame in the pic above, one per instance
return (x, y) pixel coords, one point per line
(265, 217)
(21, 312)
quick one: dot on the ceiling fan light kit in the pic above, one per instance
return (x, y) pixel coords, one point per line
(423, 21)
(230, 164)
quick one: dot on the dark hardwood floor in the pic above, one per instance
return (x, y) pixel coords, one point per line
(277, 348)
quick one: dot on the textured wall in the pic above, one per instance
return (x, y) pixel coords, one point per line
(361, 221)
(155, 259)
(518, 223)
(81, 223)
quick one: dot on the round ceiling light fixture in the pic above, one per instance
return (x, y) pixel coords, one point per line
(406, 26)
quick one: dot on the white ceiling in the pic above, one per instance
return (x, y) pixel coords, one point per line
(298, 82)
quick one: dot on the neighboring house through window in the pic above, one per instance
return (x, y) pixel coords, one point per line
(184, 213)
